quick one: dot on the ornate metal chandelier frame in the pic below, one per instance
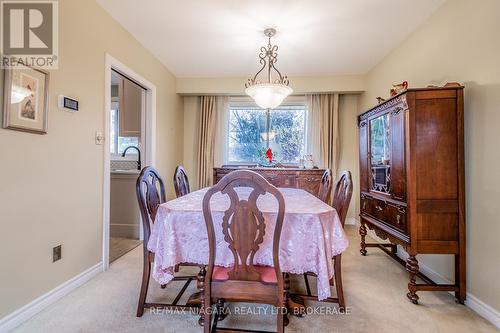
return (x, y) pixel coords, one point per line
(268, 57)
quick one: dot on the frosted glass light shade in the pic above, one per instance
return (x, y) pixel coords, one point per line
(268, 95)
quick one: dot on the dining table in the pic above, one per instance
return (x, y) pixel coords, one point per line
(312, 234)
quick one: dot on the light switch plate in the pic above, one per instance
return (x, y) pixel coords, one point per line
(99, 138)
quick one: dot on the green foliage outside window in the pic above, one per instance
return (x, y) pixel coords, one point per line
(248, 135)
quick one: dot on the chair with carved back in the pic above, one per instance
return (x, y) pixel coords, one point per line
(150, 190)
(341, 199)
(181, 182)
(244, 228)
(325, 186)
(342, 195)
(181, 186)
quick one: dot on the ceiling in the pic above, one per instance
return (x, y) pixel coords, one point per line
(196, 38)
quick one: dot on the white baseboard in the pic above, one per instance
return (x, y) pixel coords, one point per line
(483, 309)
(433, 275)
(21, 315)
(471, 301)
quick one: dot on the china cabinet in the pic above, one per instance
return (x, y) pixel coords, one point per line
(412, 180)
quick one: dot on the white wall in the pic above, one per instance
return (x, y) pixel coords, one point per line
(51, 185)
(460, 43)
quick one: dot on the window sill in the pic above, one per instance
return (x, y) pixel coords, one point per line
(256, 165)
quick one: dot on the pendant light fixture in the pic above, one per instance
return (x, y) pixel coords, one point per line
(270, 93)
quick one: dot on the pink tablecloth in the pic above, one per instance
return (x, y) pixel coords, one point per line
(312, 234)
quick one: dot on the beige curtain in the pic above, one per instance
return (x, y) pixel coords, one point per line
(323, 129)
(211, 147)
(221, 130)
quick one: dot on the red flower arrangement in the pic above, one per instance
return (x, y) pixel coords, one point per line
(269, 155)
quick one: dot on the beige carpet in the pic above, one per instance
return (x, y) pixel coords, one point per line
(118, 246)
(375, 289)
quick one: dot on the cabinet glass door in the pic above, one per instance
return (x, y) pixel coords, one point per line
(380, 151)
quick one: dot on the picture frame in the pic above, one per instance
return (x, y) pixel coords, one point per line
(26, 95)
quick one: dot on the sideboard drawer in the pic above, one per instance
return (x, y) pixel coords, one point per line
(284, 180)
(309, 183)
(385, 211)
(306, 179)
(279, 180)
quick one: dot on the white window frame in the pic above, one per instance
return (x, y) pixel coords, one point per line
(247, 102)
(114, 107)
(117, 156)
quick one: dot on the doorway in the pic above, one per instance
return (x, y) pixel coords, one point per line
(126, 141)
(130, 114)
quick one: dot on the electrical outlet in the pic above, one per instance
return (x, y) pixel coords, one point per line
(56, 253)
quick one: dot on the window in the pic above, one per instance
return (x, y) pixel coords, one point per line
(252, 130)
(119, 143)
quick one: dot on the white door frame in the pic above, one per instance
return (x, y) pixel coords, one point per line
(149, 148)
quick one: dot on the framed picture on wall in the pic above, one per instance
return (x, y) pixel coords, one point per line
(26, 99)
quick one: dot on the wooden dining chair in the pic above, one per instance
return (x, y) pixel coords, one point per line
(150, 190)
(181, 186)
(325, 186)
(341, 200)
(342, 195)
(181, 182)
(243, 227)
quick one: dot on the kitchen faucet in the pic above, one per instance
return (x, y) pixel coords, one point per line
(139, 153)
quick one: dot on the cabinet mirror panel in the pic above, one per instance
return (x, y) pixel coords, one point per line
(380, 149)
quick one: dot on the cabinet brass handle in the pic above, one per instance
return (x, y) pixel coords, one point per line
(398, 219)
(379, 208)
